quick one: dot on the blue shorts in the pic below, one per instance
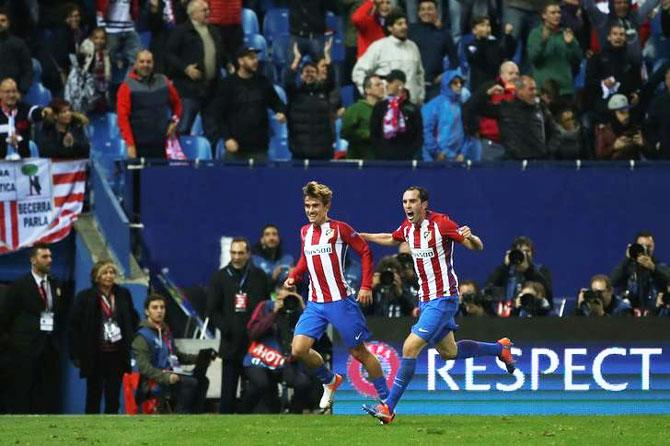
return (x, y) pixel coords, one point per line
(436, 319)
(345, 315)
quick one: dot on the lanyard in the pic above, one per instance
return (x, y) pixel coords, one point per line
(164, 338)
(107, 306)
(244, 277)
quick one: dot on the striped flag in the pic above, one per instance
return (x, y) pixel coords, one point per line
(40, 200)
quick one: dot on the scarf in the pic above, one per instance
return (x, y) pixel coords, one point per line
(394, 120)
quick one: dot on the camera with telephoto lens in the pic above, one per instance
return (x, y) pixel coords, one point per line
(405, 260)
(591, 296)
(291, 303)
(516, 257)
(387, 277)
(636, 250)
(530, 303)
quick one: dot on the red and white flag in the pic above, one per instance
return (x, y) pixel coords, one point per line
(40, 200)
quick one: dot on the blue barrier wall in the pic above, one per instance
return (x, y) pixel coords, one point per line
(580, 219)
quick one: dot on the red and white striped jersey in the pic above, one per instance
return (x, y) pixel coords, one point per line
(432, 247)
(324, 249)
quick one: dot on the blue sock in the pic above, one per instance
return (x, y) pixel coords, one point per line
(473, 349)
(381, 387)
(402, 379)
(324, 375)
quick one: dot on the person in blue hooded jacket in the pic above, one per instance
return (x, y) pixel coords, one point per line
(443, 134)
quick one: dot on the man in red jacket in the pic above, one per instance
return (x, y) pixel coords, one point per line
(369, 20)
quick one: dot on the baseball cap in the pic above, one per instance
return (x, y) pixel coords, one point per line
(618, 102)
(246, 50)
(396, 75)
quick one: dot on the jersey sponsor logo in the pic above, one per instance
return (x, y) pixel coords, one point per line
(316, 250)
(423, 253)
(390, 362)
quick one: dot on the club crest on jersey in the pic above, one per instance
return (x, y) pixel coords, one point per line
(329, 233)
(427, 236)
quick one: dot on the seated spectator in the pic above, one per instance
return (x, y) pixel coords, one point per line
(391, 297)
(309, 125)
(395, 52)
(15, 55)
(194, 59)
(658, 133)
(159, 363)
(531, 301)
(621, 11)
(612, 71)
(87, 85)
(118, 19)
(519, 267)
(101, 329)
(396, 129)
(143, 99)
(600, 300)
(443, 136)
(474, 303)
(16, 120)
(435, 44)
(553, 51)
(476, 122)
(568, 141)
(242, 100)
(640, 276)
(486, 54)
(65, 137)
(267, 361)
(356, 119)
(268, 255)
(370, 22)
(621, 136)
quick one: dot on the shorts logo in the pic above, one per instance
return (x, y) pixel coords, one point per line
(389, 359)
(423, 330)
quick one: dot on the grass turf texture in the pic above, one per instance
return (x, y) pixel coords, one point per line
(329, 430)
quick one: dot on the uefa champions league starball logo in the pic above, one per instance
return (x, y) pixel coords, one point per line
(357, 375)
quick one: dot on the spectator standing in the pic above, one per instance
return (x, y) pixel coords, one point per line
(242, 101)
(226, 15)
(553, 52)
(16, 120)
(658, 133)
(486, 54)
(307, 24)
(370, 22)
(65, 137)
(15, 56)
(33, 316)
(101, 330)
(66, 42)
(194, 57)
(395, 52)
(234, 293)
(119, 18)
(396, 128)
(268, 253)
(356, 119)
(435, 45)
(143, 99)
(160, 18)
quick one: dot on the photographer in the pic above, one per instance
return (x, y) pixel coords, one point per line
(640, 276)
(531, 301)
(390, 297)
(600, 300)
(472, 302)
(663, 303)
(519, 267)
(267, 361)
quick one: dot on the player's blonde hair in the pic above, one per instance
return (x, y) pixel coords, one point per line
(318, 191)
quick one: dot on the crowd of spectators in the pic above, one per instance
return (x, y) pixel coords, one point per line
(589, 79)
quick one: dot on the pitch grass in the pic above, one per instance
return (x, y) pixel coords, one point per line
(317, 430)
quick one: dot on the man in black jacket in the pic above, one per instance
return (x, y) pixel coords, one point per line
(307, 23)
(32, 319)
(242, 101)
(15, 56)
(194, 61)
(234, 292)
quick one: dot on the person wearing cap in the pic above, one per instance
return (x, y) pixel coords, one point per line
(241, 105)
(395, 52)
(396, 129)
(443, 136)
(194, 58)
(621, 137)
(141, 102)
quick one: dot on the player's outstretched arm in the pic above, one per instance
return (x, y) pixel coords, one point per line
(382, 238)
(470, 240)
